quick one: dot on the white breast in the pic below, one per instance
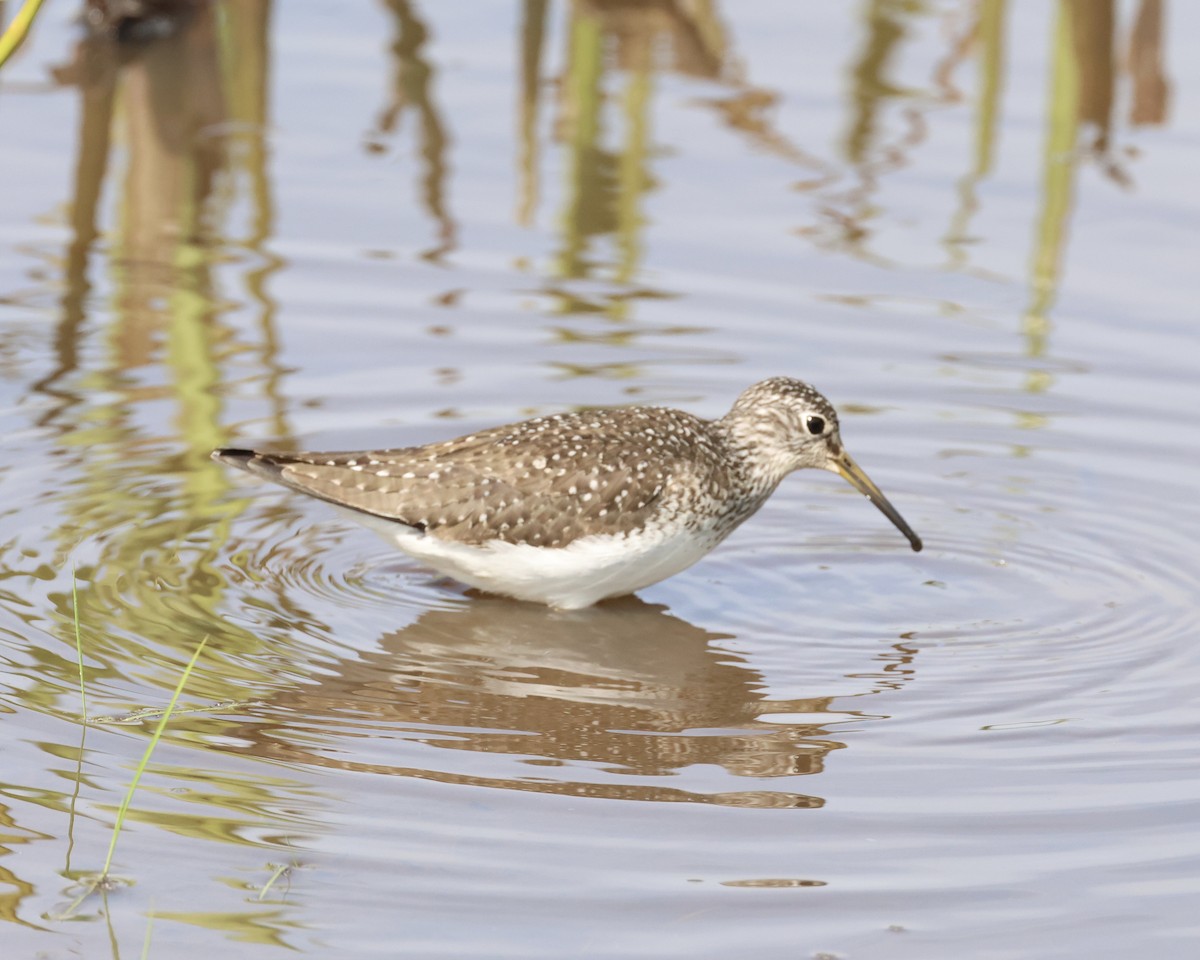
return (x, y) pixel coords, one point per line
(577, 575)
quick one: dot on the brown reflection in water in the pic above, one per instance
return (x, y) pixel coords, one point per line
(748, 111)
(1151, 89)
(845, 215)
(1082, 89)
(625, 689)
(172, 104)
(1092, 27)
(412, 89)
(138, 21)
(177, 97)
(247, 89)
(188, 108)
(884, 29)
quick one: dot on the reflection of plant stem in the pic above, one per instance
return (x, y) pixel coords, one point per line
(631, 176)
(413, 86)
(582, 92)
(869, 83)
(83, 726)
(533, 30)
(78, 644)
(872, 89)
(149, 927)
(112, 934)
(245, 68)
(97, 99)
(1151, 90)
(991, 75)
(990, 33)
(75, 797)
(1057, 180)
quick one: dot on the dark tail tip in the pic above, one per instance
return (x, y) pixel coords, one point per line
(267, 465)
(233, 455)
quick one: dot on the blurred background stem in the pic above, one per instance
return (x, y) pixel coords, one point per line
(18, 30)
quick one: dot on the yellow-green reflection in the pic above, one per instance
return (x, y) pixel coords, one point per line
(885, 27)
(588, 166)
(1057, 180)
(609, 46)
(12, 888)
(1081, 92)
(533, 31)
(989, 35)
(250, 804)
(165, 343)
(605, 187)
(137, 490)
(260, 925)
(245, 57)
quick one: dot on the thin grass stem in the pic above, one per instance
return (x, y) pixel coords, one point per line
(279, 871)
(18, 30)
(141, 767)
(149, 927)
(83, 726)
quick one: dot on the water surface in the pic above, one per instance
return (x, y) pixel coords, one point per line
(972, 225)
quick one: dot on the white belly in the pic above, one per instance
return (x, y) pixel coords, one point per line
(587, 570)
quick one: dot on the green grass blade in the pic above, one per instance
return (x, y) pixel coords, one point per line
(141, 767)
(149, 927)
(112, 934)
(279, 871)
(18, 30)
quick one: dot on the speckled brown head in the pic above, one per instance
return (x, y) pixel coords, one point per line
(781, 425)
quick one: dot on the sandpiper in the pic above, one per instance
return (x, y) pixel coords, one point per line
(574, 508)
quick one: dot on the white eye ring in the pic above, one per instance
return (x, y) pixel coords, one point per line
(814, 424)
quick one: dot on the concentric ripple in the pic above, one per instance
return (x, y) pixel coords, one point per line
(328, 561)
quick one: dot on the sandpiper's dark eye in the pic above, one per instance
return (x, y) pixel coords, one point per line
(816, 425)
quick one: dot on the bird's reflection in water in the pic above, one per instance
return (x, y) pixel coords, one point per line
(604, 702)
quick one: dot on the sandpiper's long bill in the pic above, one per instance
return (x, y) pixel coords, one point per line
(578, 507)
